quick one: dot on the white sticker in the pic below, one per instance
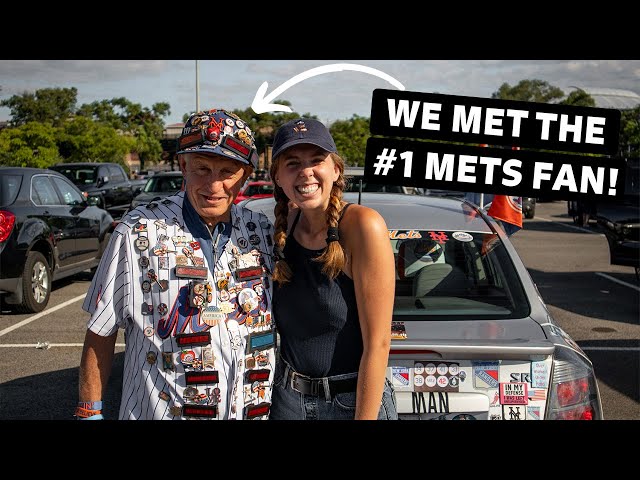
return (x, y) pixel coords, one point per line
(462, 236)
(430, 381)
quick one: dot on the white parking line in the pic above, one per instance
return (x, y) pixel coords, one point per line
(608, 277)
(41, 314)
(569, 226)
(46, 346)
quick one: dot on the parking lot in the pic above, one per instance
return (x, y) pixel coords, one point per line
(596, 303)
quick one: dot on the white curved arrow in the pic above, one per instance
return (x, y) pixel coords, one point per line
(262, 103)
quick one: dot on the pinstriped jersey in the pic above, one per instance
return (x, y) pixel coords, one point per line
(199, 338)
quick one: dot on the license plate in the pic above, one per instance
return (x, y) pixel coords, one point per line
(436, 404)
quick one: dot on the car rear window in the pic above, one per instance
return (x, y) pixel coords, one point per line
(251, 190)
(9, 188)
(446, 275)
(161, 183)
(78, 175)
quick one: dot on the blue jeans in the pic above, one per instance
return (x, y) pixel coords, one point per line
(288, 404)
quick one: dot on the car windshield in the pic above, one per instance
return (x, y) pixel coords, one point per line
(446, 275)
(80, 175)
(9, 187)
(251, 190)
(161, 183)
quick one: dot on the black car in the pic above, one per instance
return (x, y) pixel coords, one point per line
(48, 231)
(620, 220)
(106, 181)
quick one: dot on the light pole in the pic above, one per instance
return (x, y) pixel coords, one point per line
(197, 88)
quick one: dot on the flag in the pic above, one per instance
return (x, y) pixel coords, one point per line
(508, 210)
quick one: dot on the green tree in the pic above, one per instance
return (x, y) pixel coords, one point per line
(529, 91)
(629, 144)
(83, 140)
(32, 144)
(579, 98)
(47, 105)
(144, 124)
(351, 139)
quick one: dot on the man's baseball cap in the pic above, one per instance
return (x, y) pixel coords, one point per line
(219, 132)
(302, 130)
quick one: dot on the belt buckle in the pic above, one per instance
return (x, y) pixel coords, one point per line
(314, 385)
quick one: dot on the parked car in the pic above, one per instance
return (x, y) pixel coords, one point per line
(137, 185)
(620, 220)
(471, 336)
(158, 186)
(581, 211)
(255, 189)
(48, 231)
(106, 181)
(355, 175)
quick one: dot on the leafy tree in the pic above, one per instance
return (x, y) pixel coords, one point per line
(144, 124)
(351, 139)
(47, 105)
(83, 140)
(529, 91)
(32, 144)
(629, 144)
(579, 98)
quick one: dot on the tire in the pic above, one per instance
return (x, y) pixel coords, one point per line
(583, 219)
(529, 214)
(36, 284)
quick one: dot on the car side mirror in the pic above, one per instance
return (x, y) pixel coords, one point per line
(93, 201)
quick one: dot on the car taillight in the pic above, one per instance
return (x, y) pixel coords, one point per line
(574, 391)
(7, 221)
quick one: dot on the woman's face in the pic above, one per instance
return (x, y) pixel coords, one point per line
(306, 173)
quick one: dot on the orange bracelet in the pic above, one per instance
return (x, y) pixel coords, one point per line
(84, 413)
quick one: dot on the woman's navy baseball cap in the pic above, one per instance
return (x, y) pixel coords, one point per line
(303, 130)
(219, 132)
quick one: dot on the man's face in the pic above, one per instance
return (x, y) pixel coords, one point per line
(212, 184)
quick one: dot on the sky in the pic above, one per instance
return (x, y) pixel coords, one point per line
(232, 84)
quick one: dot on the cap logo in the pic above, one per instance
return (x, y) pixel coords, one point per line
(300, 127)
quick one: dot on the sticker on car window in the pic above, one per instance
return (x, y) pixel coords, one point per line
(440, 237)
(462, 236)
(402, 235)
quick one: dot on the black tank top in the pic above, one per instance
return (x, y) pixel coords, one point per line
(317, 317)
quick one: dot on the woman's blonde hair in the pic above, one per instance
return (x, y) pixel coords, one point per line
(333, 258)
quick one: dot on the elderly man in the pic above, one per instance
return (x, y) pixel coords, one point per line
(181, 278)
